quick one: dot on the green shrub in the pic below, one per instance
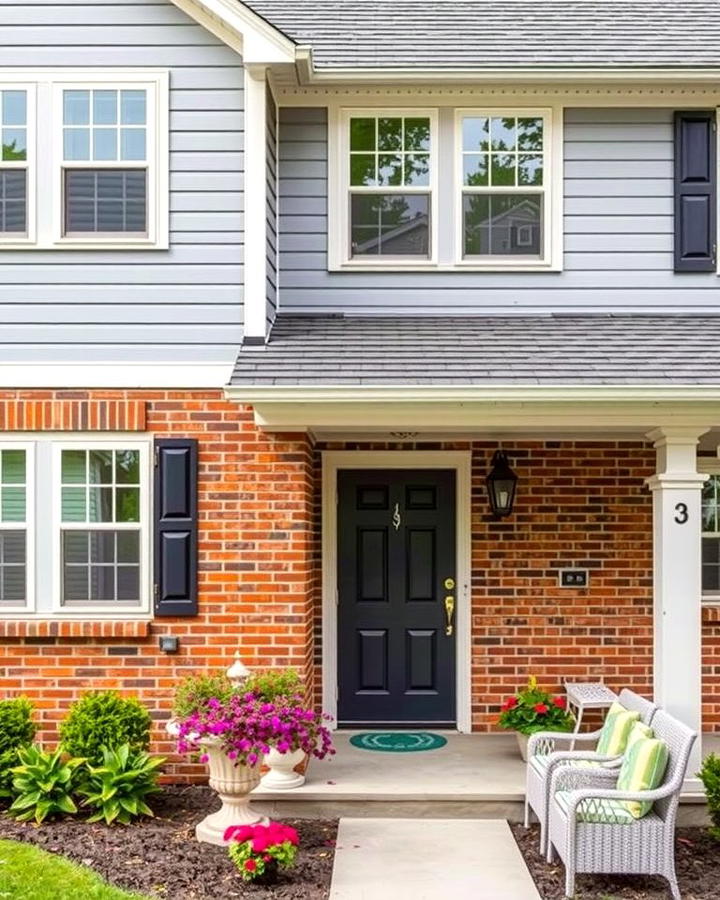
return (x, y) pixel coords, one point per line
(17, 729)
(43, 784)
(117, 789)
(104, 719)
(710, 776)
(274, 683)
(193, 692)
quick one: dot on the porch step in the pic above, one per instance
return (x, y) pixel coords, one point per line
(407, 859)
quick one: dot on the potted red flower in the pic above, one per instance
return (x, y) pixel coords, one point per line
(533, 709)
(260, 850)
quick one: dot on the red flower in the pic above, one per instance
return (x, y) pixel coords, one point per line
(540, 708)
(250, 865)
(510, 703)
(560, 702)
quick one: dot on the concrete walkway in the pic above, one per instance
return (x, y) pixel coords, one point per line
(427, 859)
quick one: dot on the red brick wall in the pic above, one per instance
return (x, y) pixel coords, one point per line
(578, 504)
(255, 582)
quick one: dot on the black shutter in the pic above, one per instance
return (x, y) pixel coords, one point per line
(176, 527)
(695, 187)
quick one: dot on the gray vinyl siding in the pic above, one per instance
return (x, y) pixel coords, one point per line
(271, 209)
(618, 224)
(180, 304)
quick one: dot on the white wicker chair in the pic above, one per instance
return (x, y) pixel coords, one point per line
(643, 846)
(537, 788)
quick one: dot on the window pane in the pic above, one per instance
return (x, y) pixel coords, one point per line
(476, 133)
(12, 505)
(502, 133)
(502, 224)
(104, 107)
(76, 546)
(390, 134)
(128, 546)
(75, 583)
(128, 583)
(530, 169)
(362, 169)
(362, 134)
(14, 144)
(102, 546)
(417, 134)
(127, 467)
(502, 169)
(12, 566)
(13, 201)
(105, 143)
(13, 467)
(132, 144)
(417, 170)
(132, 108)
(73, 504)
(530, 134)
(709, 504)
(710, 564)
(390, 224)
(390, 170)
(100, 504)
(14, 108)
(128, 504)
(76, 108)
(100, 466)
(475, 169)
(73, 467)
(109, 201)
(76, 144)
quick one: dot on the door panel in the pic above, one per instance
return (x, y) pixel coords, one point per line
(396, 548)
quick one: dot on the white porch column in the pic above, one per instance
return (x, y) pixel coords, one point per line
(677, 587)
(254, 293)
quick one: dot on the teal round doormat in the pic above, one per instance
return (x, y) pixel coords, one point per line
(398, 741)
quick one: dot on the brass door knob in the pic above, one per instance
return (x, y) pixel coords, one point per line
(449, 610)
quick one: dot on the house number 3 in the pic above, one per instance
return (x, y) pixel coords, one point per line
(681, 513)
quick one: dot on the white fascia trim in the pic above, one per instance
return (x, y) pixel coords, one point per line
(473, 393)
(115, 375)
(309, 74)
(241, 29)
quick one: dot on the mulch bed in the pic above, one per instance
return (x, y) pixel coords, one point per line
(696, 860)
(160, 857)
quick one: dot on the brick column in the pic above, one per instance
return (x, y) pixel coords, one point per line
(677, 491)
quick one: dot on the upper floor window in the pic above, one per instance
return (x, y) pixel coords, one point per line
(502, 160)
(95, 148)
(14, 162)
(711, 538)
(445, 188)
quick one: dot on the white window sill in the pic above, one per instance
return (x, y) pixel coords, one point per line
(85, 244)
(437, 267)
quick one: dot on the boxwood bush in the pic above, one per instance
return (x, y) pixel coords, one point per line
(710, 776)
(17, 730)
(104, 719)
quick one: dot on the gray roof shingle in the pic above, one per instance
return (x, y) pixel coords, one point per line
(325, 350)
(489, 34)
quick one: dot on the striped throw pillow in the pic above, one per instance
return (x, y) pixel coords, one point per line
(642, 769)
(638, 732)
(616, 730)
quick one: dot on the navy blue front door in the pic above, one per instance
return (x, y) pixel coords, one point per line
(396, 596)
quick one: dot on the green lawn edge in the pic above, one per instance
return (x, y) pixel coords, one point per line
(28, 872)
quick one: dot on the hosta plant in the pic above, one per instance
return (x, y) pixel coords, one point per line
(117, 789)
(259, 850)
(44, 783)
(534, 709)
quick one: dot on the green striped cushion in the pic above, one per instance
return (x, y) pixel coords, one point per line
(638, 732)
(599, 812)
(642, 769)
(616, 730)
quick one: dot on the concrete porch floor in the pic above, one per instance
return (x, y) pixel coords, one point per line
(472, 776)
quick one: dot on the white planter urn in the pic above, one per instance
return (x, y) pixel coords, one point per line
(522, 740)
(282, 776)
(233, 784)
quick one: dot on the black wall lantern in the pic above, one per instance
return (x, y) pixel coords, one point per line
(501, 483)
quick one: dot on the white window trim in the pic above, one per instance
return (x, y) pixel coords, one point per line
(11, 239)
(444, 208)
(551, 192)
(707, 466)
(45, 169)
(339, 190)
(30, 518)
(51, 606)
